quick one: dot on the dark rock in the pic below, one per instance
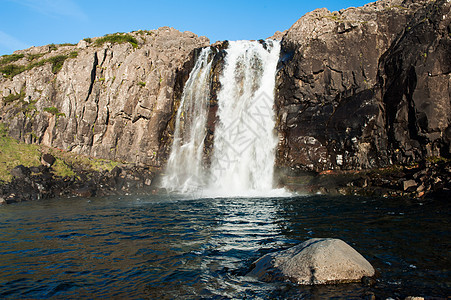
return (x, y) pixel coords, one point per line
(85, 191)
(385, 102)
(48, 160)
(35, 170)
(20, 172)
(115, 172)
(368, 281)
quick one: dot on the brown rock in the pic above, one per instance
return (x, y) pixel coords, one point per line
(409, 185)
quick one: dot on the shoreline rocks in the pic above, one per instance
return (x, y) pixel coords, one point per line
(426, 179)
(316, 261)
(37, 183)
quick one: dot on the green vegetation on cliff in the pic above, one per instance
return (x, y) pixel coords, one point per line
(7, 59)
(117, 38)
(10, 70)
(14, 153)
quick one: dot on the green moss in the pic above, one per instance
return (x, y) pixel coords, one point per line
(437, 159)
(61, 168)
(12, 70)
(7, 59)
(32, 57)
(117, 38)
(14, 97)
(52, 47)
(54, 111)
(141, 83)
(57, 62)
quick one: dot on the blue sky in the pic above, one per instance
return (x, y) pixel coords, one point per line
(26, 23)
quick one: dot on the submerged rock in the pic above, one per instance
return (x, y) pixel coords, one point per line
(316, 261)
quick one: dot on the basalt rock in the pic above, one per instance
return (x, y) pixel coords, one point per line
(365, 87)
(43, 184)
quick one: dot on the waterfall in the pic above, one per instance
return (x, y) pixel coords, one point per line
(242, 163)
(244, 140)
(185, 171)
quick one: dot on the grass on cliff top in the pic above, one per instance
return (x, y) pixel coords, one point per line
(117, 38)
(14, 153)
(7, 59)
(11, 70)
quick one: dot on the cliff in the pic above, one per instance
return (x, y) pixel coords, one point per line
(358, 89)
(109, 97)
(366, 87)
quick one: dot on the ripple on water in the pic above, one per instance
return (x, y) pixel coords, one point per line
(170, 247)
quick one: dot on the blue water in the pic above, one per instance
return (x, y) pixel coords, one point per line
(167, 247)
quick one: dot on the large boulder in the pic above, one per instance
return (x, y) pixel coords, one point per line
(316, 261)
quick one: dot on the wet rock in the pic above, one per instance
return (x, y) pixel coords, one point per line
(316, 261)
(44, 184)
(85, 191)
(369, 296)
(368, 281)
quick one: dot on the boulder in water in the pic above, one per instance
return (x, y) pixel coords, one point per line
(316, 261)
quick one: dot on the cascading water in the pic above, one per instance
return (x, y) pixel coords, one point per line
(244, 143)
(242, 163)
(185, 171)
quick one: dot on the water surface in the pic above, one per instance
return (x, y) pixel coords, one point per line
(173, 247)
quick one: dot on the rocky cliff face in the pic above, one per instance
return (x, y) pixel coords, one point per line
(365, 87)
(356, 89)
(107, 97)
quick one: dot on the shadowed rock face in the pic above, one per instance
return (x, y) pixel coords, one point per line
(111, 101)
(365, 87)
(316, 261)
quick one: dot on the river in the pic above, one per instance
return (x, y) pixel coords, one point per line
(168, 247)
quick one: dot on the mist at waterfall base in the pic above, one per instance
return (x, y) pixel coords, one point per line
(242, 162)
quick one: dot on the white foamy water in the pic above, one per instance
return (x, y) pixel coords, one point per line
(242, 164)
(185, 171)
(245, 142)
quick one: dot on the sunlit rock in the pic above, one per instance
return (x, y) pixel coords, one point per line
(316, 261)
